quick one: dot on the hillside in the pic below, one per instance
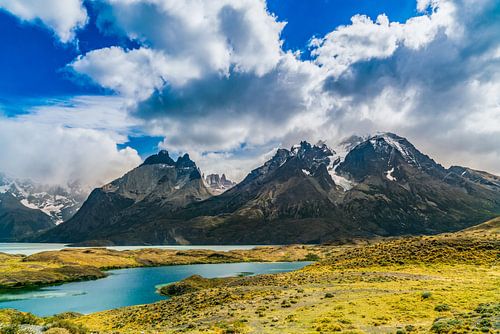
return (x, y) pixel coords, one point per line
(446, 283)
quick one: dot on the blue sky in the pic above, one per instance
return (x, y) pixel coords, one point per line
(33, 62)
(132, 78)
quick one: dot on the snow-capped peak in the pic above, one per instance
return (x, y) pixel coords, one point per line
(398, 143)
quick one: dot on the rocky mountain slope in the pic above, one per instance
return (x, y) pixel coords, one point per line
(378, 186)
(160, 184)
(17, 220)
(29, 207)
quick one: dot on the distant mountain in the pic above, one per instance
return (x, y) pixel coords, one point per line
(218, 183)
(481, 178)
(25, 201)
(18, 221)
(376, 186)
(159, 186)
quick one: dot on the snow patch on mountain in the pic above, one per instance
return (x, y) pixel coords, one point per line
(341, 181)
(389, 176)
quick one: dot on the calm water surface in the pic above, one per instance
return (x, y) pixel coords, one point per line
(32, 248)
(126, 287)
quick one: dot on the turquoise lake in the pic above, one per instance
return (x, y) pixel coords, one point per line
(126, 287)
(32, 248)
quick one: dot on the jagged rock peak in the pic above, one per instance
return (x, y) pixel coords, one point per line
(161, 158)
(304, 149)
(318, 153)
(218, 183)
(185, 162)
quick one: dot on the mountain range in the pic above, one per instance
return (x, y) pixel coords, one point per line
(376, 186)
(28, 207)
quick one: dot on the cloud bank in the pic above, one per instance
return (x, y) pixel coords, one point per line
(65, 143)
(213, 78)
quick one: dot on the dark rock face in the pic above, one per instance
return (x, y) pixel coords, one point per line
(156, 188)
(18, 221)
(383, 186)
(161, 158)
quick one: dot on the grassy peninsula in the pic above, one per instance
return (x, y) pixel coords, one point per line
(72, 264)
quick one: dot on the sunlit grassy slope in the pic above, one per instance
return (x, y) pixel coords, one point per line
(443, 284)
(448, 283)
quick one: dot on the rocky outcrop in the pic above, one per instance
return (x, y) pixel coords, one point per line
(218, 183)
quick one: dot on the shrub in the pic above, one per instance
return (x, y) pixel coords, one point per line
(441, 308)
(9, 329)
(22, 318)
(328, 295)
(410, 328)
(312, 257)
(69, 326)
(426, 295)
(445, 325)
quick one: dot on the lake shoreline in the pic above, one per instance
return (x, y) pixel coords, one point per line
(51, 268)
(127, 287)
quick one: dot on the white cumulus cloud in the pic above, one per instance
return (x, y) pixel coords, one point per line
(63, 17)
(212, 78)
(182, 41)
(365, 39)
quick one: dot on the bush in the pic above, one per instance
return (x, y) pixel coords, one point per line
(69, 326)
(311, 257)
(441, 308)
(15, 329)
(10, 329)
(426, 295)
(66, 315)
(410, 328)
(22, 318)
(445, 325)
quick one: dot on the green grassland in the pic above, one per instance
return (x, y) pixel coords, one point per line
(448, 283)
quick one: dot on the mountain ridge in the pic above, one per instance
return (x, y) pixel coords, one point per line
(383, 186)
